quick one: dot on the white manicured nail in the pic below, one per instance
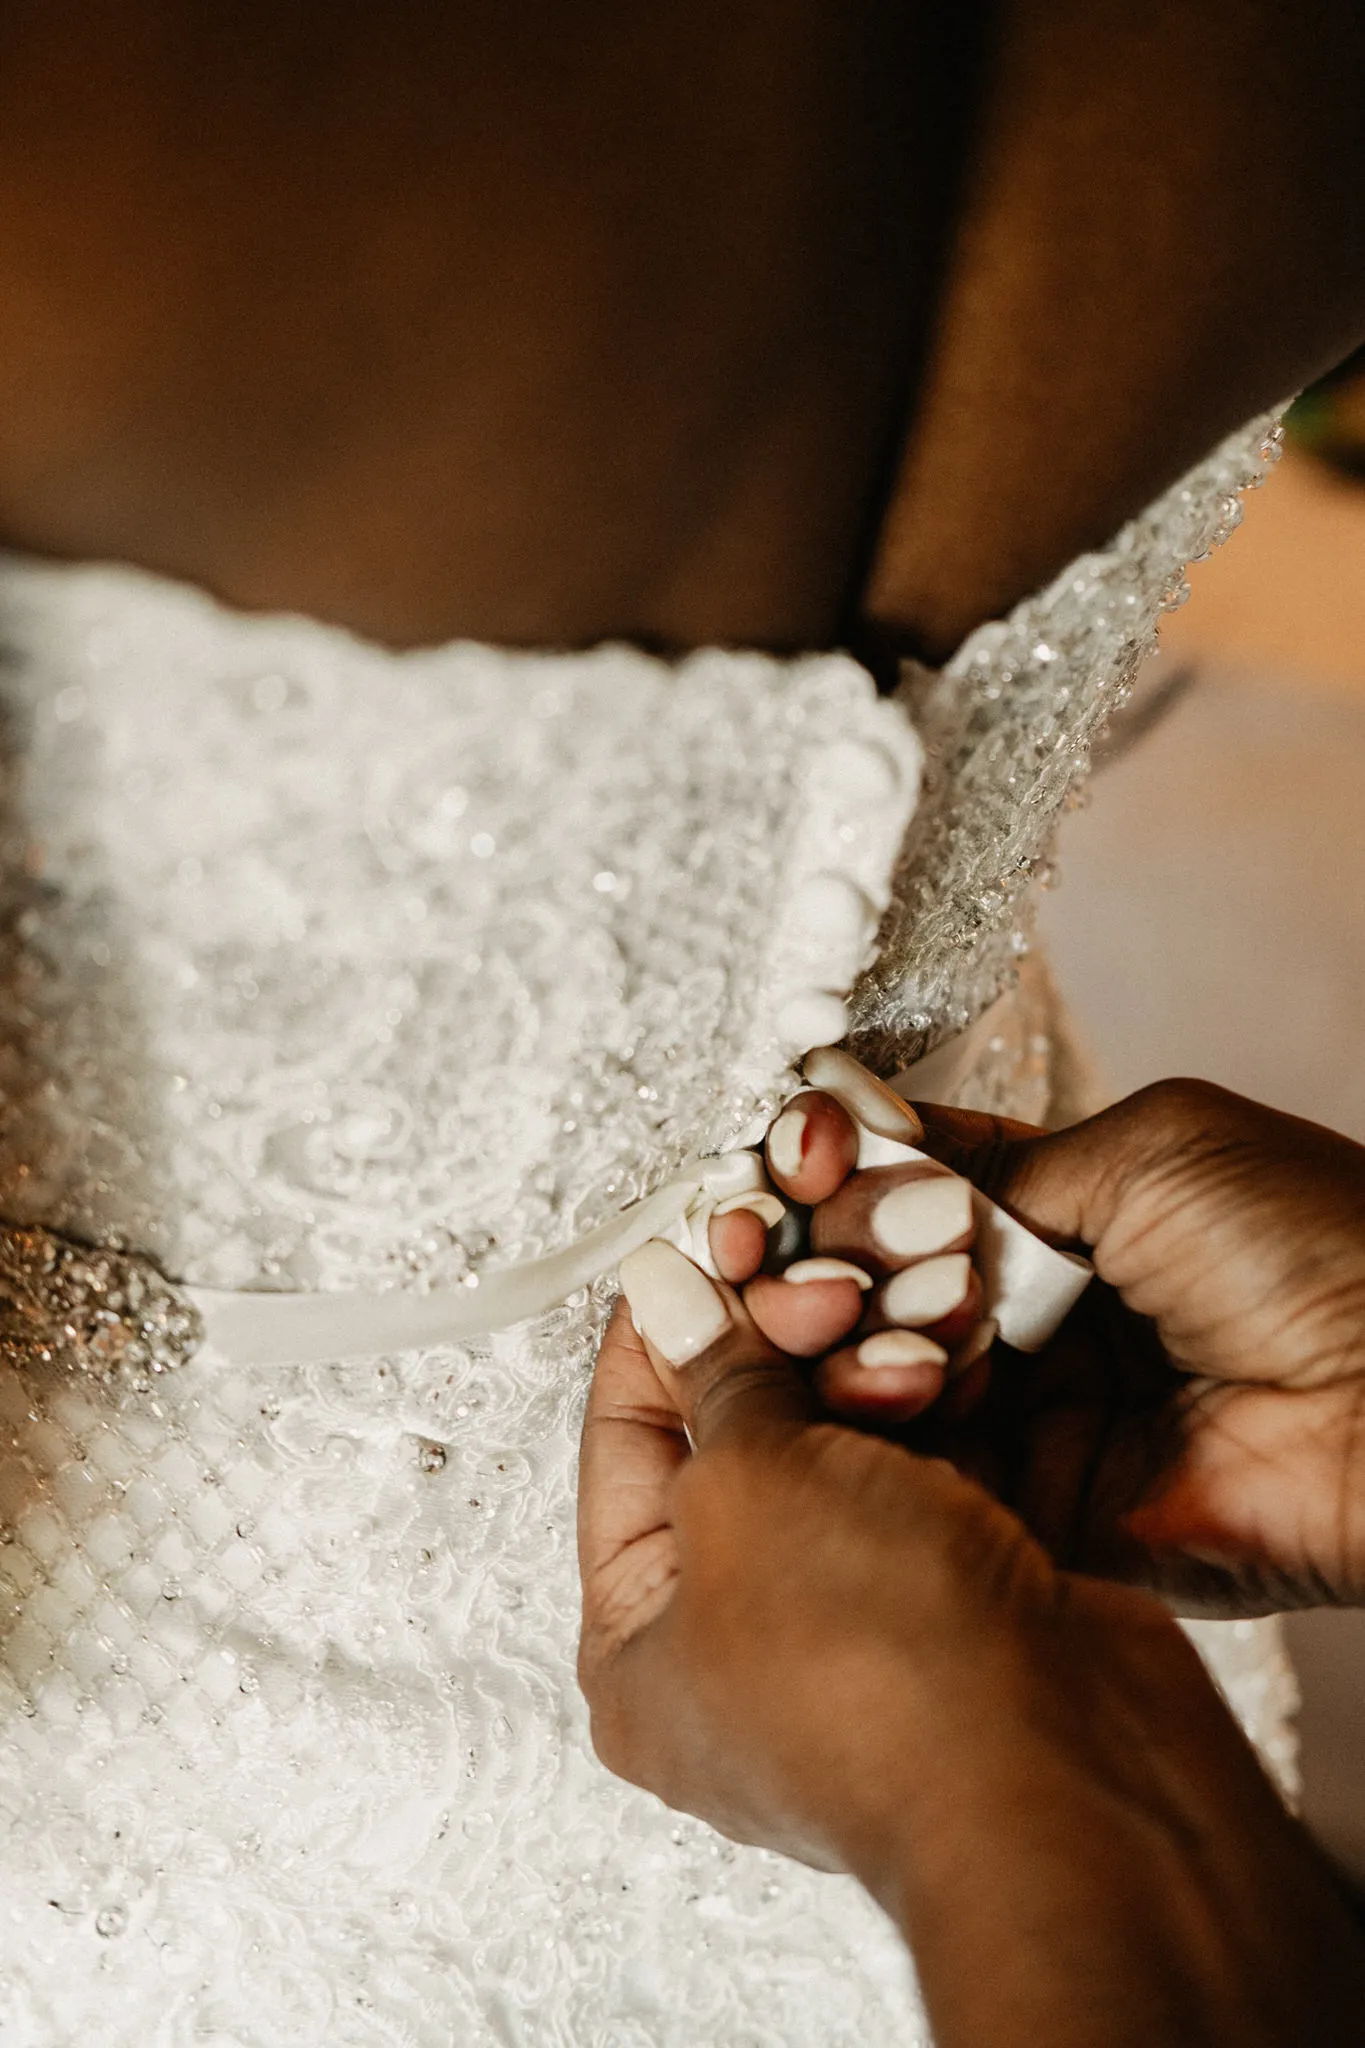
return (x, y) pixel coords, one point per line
(875, 1106)
(923, 1216)
(899, 1347)
(806, 1270)
(928, 1292)
(770, 1209)
(674, 1305)
(785, 1141)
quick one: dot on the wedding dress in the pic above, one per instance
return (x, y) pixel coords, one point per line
(329, 970)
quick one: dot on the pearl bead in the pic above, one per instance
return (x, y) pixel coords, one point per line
(813, 1018)
(861, 771)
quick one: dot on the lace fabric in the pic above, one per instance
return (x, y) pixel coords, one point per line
(329, 968)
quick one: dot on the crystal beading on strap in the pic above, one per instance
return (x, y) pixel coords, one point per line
(107, 1313)
(1009, 725)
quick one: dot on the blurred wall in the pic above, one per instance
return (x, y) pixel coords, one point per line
(1211, 914)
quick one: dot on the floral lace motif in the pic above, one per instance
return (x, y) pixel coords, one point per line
(326, 968)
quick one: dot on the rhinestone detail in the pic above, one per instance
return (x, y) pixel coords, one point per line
(107, 1313)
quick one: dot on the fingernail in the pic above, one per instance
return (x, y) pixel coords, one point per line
(899, 1347)
(976, 1346)
(806, 1270)
(787, 1141)
(674, 1304)
(923, 1216)
(770, 1209)
(928, 1292)
(875, 1105)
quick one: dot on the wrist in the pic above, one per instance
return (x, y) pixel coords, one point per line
(956, 1735)
(1088, 1853)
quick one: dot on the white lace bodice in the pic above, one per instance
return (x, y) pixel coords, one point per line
(325, 969)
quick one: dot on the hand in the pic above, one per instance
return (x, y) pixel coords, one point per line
(762, 1584)
(890, 1307)
(1199, 1424)
(821, 1642)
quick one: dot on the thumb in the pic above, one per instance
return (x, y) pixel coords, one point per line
(726, 1380)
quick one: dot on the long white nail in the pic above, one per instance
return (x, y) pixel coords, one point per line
(875, 1106)
(806, 1270)
(770, 1209)
(674, 1305)
(900, 1347)
(928, 1292)
(785, 1141)
(923, 1216)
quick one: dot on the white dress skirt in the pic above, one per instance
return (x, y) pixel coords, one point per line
(328, 970)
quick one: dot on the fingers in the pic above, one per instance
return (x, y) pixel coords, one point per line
(941, 1296)
(893, 1217)
(754, 1226)
(725, 1377)
(919, 1330)
(738, 1237)
(1256, 1489)
(959, 1136)
(910, 1226)
(889, 1377)
(812, 1147)
(1048, 1179)
(633, 1442)
(868, 1101)
(811, 1306)
(699, 1368)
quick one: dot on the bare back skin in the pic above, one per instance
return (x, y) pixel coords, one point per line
(786, 324)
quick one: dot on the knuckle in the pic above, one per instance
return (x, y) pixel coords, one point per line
(1165, 1139)
(731, 1388)
(1183, 1104)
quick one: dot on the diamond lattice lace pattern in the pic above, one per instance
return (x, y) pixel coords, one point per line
(329, 969)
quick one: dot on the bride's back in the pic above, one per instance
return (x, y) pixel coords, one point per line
(544, 323)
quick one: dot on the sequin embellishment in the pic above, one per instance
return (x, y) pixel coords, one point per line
(101, 1312)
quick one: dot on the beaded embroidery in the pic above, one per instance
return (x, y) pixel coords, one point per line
(81, 1310)
(1009, 726)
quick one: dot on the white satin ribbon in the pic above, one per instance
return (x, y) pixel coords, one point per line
(310, 1329)
(1028, 1286)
